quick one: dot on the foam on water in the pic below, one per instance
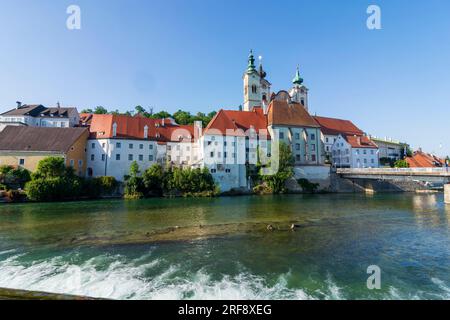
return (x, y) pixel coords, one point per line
(113, 276)
(127, 280)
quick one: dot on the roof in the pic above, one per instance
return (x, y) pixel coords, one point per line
(237, 120)
(85, 119)
(21, 138)
(360, 142)
(26, 110)
(289, 114)
(128, 127)
(38, 110)
(424, 160)
(333, 126)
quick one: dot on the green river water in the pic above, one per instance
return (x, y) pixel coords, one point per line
(221, 249)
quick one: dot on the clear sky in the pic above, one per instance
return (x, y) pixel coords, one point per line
(191, 54)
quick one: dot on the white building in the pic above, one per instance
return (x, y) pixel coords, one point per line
(116, 141)
(355, 152)
(40, 116)
(331, 129)
(389, 148)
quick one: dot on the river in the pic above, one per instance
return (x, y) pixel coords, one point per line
(220, 248)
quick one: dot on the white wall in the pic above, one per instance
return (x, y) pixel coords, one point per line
(106, 163)
(343, 155)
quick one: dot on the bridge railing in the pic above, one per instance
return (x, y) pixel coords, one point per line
(437, 171)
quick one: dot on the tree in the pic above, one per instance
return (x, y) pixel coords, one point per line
(53, 181)
(401, 164)
(51, 167)
(87, 111)
(161, 115)
(134, 185)
(100, 110)
(285, 170)
(154, 180)
(183, 117)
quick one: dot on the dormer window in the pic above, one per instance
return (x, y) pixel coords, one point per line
(114, 129)
(145, 132)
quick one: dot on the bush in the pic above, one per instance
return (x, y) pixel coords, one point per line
(52, 181)
(153, 179)
(262, 189)
(14, 178)
(50, 189)
(401, 164)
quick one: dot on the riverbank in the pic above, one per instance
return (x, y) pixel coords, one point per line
(15, 294)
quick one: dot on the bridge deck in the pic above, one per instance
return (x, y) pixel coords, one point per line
(429, 172)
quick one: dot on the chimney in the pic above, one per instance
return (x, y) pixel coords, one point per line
(163, 122)
(198, 128)
(58, 105)
(19, 104)
(359, 140)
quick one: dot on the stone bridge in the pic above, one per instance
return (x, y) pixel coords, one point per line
(439, 176)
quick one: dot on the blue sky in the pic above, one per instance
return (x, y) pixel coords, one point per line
(191, 54)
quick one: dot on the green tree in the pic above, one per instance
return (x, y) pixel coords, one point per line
(401, 164)
(51, 167)
(183, 117)
(87, 111)
(100, 110)
(161, 115)
(134, 185)
(53, 181)
(153, 179)
(285, 170)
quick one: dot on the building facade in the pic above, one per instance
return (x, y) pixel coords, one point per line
(355, 152)
(40, 116)
(22, 146)
(331, 128)
(390, 149)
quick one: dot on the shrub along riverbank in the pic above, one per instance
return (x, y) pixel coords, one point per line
(172, 181)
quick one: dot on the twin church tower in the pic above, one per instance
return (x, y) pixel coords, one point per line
(257, 88)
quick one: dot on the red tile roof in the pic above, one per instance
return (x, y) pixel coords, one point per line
(424, 160)
(161, 130)
(236, 120)
(332, 126)
(293, 114)
(360, 142)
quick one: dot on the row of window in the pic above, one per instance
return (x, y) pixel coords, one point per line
(298, 158)
(357, 151)
(119, 146)
(297, 136)
(130, 157)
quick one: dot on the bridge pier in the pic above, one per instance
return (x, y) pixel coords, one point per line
(447, 193)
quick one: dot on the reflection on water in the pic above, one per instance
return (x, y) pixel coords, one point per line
(133, 250)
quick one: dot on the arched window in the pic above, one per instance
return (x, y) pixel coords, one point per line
(254, 89)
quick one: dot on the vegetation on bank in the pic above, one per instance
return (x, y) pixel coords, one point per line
(181, 117)
(53, 181)
(276, 183)
(157, 181)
